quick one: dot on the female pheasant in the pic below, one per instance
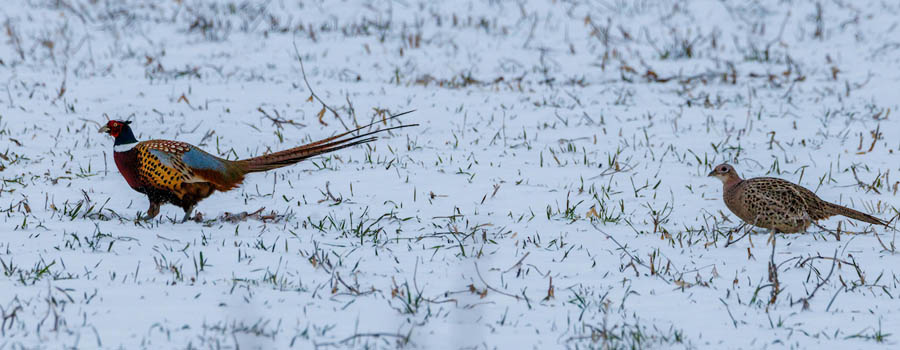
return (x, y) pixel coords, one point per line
(181, 174)
(777, 204)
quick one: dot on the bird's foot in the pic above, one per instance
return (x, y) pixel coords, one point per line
(151, 212)
(187, 214)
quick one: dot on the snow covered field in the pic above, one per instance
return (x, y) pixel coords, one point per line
(554, 195)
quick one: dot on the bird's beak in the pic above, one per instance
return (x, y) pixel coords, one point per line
(711, 173)
(104, 130)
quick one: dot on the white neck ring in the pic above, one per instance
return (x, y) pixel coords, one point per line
(124, 147)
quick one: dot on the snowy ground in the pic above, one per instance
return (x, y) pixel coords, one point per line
(553, 196)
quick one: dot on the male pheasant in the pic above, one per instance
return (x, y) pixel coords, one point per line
(777, 204)
(181, 174)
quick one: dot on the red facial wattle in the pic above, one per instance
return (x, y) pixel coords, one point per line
(113, 128)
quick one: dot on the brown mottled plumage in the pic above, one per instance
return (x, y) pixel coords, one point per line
(777, 204)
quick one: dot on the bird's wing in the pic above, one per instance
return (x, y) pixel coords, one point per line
(162, 164)
(784, 197)
(185, 163)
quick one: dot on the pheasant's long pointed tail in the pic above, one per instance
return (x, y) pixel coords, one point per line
(327, 145)
(835, 209)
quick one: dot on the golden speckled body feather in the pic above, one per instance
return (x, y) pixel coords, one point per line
(174, 175)
(154, 173)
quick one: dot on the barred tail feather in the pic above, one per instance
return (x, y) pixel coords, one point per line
(327, 145)
(835, 209)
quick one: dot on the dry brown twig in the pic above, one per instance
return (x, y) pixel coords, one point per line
(478, 271)
(805, 300)
(633, 258)
(278, 120)
(518, 263)
(739, 228)
(313, 95)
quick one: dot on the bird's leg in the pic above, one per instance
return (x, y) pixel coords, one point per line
(749, 229)
(152, 211)
(773, 270)
(187, 213)
(771, 239)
